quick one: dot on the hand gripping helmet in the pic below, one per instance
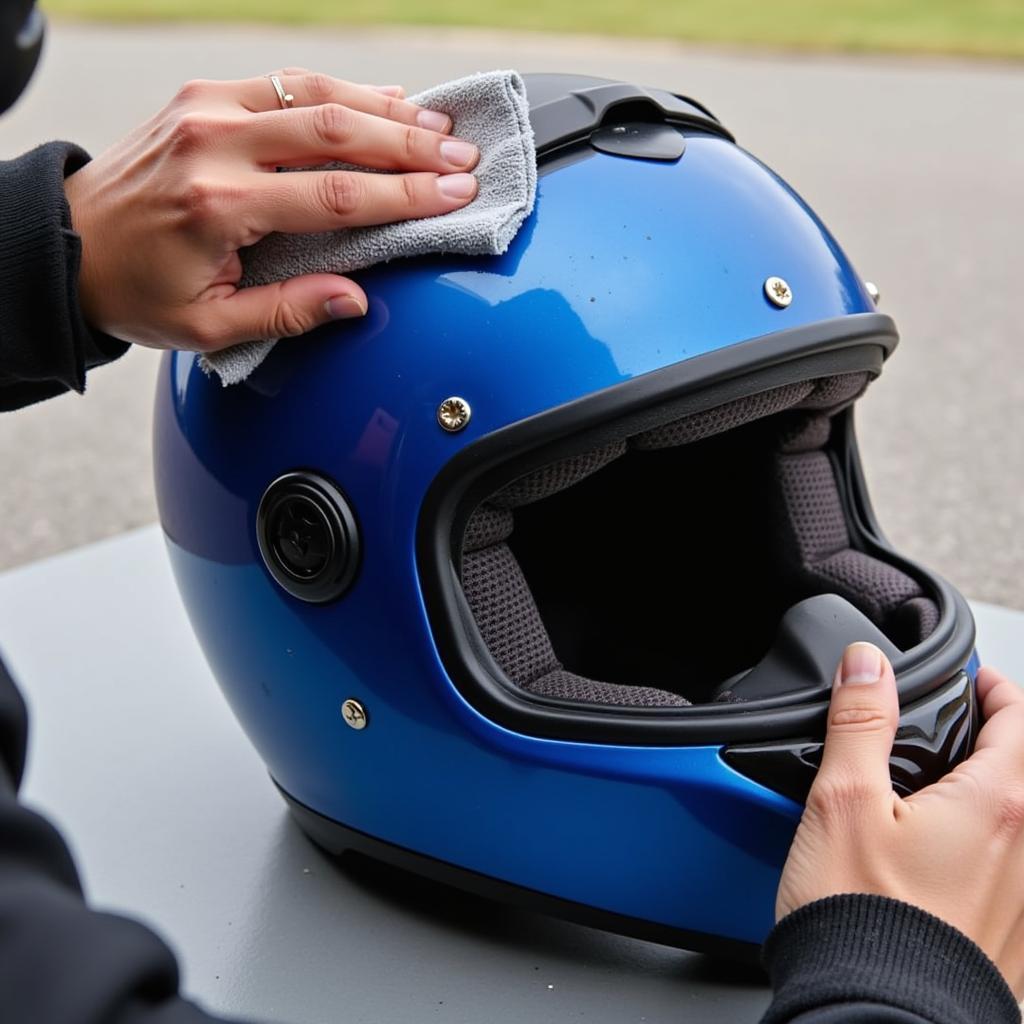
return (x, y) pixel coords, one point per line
(535, 580)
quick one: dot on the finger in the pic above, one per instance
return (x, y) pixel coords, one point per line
(996, 691)
(862, 720)
(389, 90)
(1003, 731)
(282, 310)
(309, 201)
(318, 135)
(998, 756)
(311, 89)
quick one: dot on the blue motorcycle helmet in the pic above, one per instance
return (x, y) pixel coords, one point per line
(534, 581)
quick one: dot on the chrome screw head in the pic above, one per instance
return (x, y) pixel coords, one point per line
(354, 714)
(872, 289)
(453, 414)
(778, 292)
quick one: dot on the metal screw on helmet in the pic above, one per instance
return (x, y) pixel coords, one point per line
(778, 292)
(872, 289)
(453, 414)
(354, 714)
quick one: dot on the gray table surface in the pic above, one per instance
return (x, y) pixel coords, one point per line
(172, 819)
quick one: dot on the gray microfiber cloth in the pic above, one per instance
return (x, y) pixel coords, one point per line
(488, 109)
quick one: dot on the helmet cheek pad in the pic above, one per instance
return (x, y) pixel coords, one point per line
(580, 645)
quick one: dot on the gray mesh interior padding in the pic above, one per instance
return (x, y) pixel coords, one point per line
(506, 614)
(507, 617)
(697, 426)
(817, 525)
(556, 476)
(805, 433)
(564, 685)
(486, 526)
(834, 393)
(917, 617)
(829, 393)
(825, 393)
(812, 505)
(875, 586)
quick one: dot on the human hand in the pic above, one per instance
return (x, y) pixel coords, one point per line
(163, 213)
(954, 849)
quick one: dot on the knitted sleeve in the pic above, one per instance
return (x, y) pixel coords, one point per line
(46, 346)
(855, 959)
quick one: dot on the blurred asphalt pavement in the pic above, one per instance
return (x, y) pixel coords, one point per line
(916, 165)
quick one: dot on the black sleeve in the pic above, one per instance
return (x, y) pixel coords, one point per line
(61, 963)
(45, 344)
(860, 959)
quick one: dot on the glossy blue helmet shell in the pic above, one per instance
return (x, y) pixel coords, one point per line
(635, 282)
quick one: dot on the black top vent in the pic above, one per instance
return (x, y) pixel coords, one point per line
(567, 108)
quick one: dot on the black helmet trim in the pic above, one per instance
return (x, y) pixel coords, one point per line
(849, 345)
(935, 732)
(338, 839)
(567, 109)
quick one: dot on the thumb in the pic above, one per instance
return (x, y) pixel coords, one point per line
(862, 720)
(281, 310)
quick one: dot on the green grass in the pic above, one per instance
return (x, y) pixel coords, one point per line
(992, 28)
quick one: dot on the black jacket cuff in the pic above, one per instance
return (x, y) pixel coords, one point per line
(870, 949)
(45, 344)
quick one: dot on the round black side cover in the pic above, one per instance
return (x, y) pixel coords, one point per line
(308, 537)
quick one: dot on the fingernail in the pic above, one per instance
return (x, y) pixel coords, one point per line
(862, 663)
(388, 90)
(434, 120)
(343, 307)
(459, 154)
(456, 186)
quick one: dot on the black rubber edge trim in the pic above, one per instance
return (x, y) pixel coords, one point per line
(858, 341)
(336, 839)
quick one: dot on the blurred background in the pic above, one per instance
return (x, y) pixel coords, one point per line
(900, 121)
(993, 28)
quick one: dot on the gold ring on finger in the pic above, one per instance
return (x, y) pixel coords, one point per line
(285, 99)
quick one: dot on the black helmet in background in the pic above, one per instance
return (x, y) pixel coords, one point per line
(22, 27)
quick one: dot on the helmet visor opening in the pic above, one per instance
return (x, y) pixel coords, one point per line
(656, 569)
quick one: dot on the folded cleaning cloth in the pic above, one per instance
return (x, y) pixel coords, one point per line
(488, 109)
